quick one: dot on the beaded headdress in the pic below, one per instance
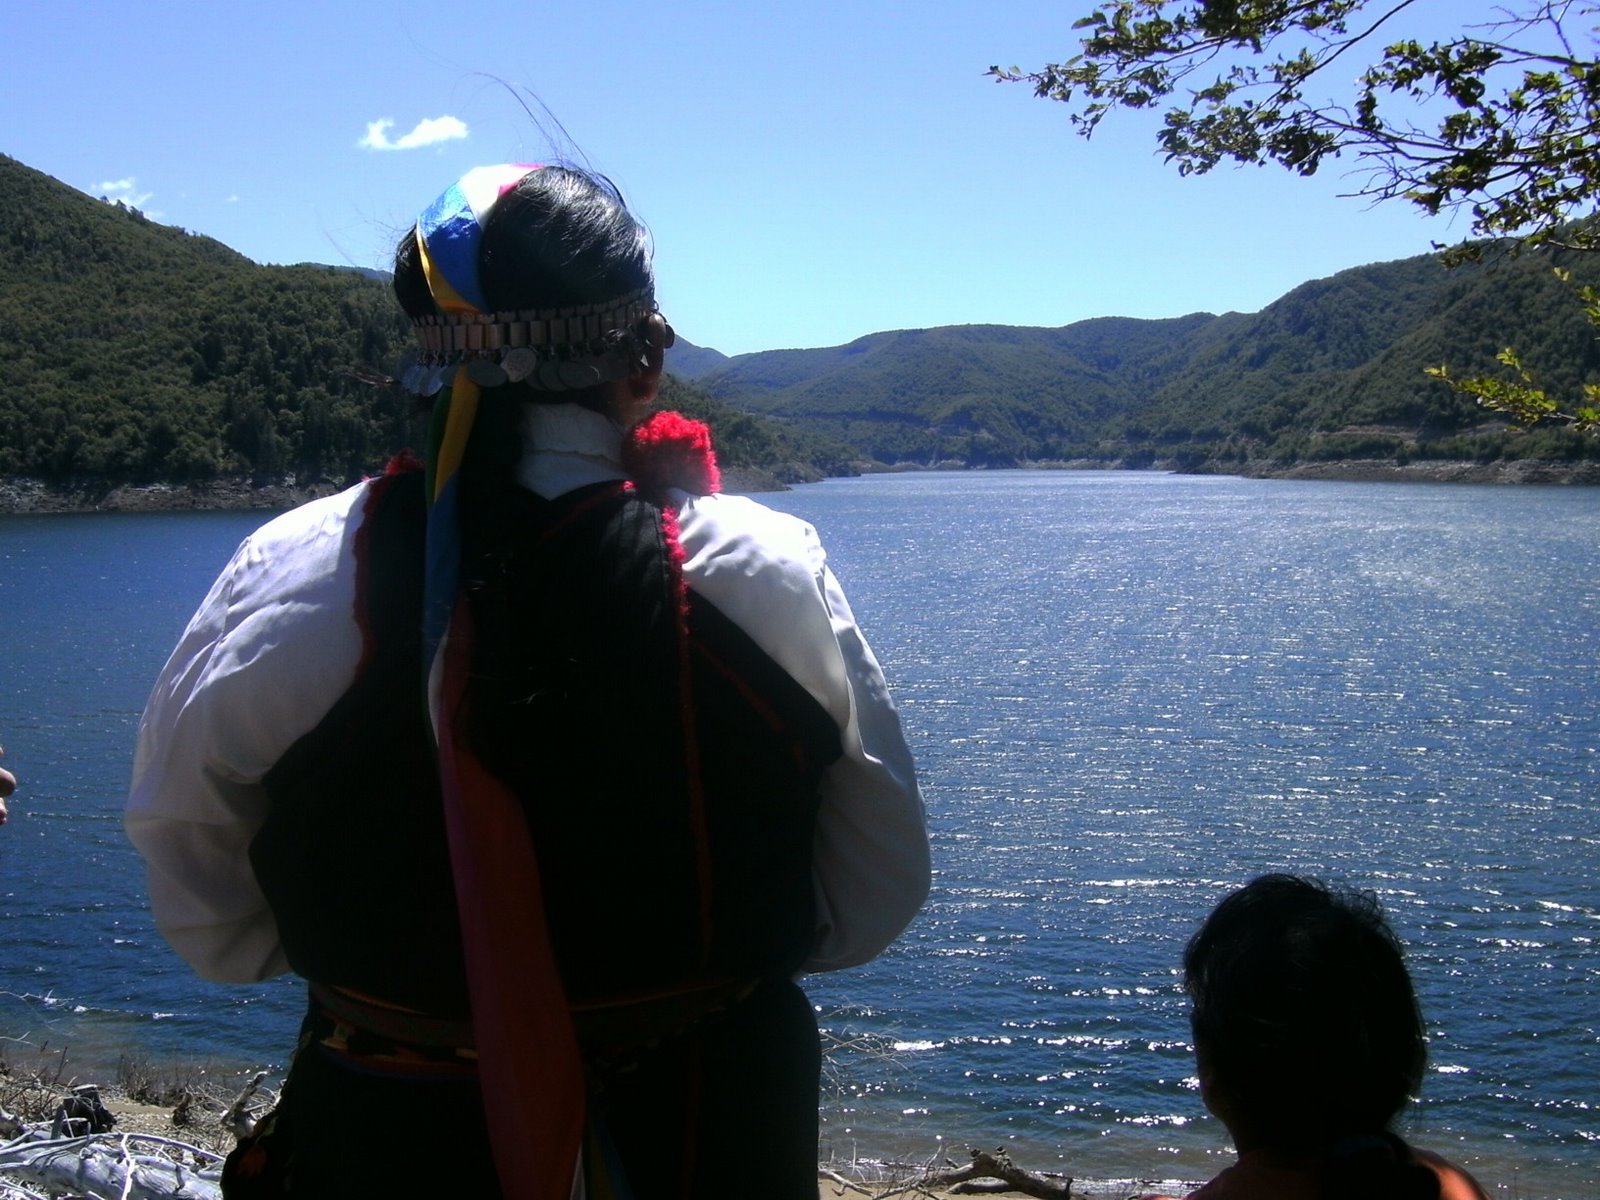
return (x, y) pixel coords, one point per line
(555, 349)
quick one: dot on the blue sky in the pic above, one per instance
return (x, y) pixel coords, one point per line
(811, 173)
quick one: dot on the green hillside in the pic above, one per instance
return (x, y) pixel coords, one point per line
(134, 352)
(688, 361)
(1332, 370)
(980, 394)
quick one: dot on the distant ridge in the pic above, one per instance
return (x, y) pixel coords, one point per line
(688, 361)
(1330, 371)
(383, 277)
(135, 353)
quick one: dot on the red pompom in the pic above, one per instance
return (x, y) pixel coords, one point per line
(668, 450)
(403, 461)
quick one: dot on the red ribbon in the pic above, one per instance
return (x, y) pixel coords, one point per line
(529, 1067)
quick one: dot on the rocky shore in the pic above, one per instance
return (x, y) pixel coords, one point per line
(199, 1130)
(1431, 471)
(238, 494)
(35, 496)
(244, 494)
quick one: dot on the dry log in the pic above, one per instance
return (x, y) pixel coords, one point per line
(842, 1185)
(997, 1166)
(105, 1167)
(240, 1119)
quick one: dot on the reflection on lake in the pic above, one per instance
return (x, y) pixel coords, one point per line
(1127, 692)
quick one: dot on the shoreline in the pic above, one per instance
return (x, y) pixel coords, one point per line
(183, 1115)
(187, 1104)
(199, 1122)
(1374, 470)
(144, 1088)
(20, 496)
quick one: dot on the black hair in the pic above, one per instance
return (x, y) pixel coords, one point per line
(561, 236)
(1305, 1014)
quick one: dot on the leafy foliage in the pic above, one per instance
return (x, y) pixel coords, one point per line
(1521, 396)
(1501, 119)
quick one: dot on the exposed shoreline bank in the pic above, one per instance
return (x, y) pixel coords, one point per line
(240, 494)
(1374, 470)
(187, 1110)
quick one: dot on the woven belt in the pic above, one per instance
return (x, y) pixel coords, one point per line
(392, 1022)
(611, 1027)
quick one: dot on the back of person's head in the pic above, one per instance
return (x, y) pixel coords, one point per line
(527, 252)
(1307, 1029)
(559, 237)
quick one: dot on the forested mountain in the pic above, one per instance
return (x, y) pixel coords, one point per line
(688, 361)
(131, 350)
(134, 352)
(1332, 370)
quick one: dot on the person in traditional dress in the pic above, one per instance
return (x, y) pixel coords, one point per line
(548, 766)
(1309, 1043)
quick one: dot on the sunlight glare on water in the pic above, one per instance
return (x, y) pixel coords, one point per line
(1127, 693)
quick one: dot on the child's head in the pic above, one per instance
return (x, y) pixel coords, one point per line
(1305, 1022)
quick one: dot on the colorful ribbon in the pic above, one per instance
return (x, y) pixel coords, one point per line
(451, 233)
(530, 1069)
(449, 238)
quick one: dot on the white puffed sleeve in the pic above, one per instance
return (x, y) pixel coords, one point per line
(272, 647)
(768, 573)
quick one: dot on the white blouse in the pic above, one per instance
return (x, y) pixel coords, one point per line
(275, 643)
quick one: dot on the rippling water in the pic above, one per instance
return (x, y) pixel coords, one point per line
(1127, 693)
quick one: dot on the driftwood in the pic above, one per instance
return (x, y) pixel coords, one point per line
(998, 1166)
(241, 1118)
(105, 1166)
(987, 1173)
(843, 1185)
(78, 1154)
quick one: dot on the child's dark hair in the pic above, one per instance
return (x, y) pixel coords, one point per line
(1305, 1018)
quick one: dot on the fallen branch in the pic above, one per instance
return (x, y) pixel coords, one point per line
(15, 1191)
(844, 1184)
(240, 1119)
(104, 1166)
(997, 1166)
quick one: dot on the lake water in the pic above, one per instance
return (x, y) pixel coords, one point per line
(1127, 692)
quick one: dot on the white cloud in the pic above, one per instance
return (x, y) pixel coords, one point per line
(125, 190)
(427, 132)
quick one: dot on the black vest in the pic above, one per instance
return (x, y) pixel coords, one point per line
(668, 767)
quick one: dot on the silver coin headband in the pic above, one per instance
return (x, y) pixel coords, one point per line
(552, 350)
